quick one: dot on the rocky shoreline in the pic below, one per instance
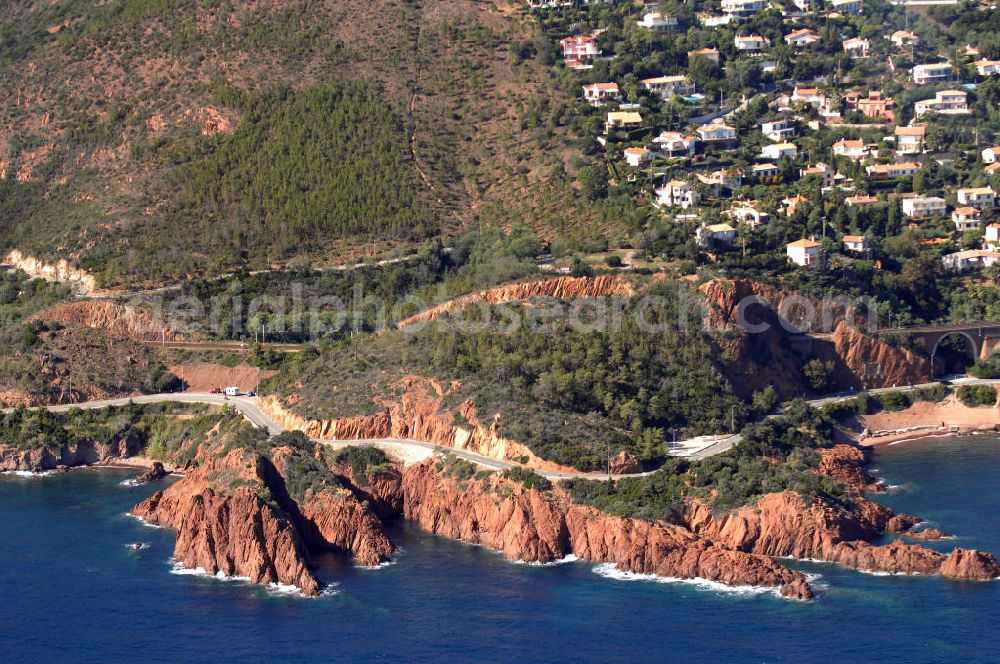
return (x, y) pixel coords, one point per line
(235, 514)
(739, 548)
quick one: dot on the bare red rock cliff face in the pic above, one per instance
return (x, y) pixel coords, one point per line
(854, 352)
(756, 327)
(784, 525)
(224, 525)
(530, 526)
(417, 415)
(236, 532)
(119, 319)
(78, 454)
(561, 288)
(735, 548)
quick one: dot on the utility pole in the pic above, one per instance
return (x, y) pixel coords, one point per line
(732, 419)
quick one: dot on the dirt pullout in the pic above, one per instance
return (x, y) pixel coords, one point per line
(119, 319)
(60, 271)
(203, 376)
(924, 419)
(562, 288)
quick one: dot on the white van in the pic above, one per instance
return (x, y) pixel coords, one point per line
(231, 391)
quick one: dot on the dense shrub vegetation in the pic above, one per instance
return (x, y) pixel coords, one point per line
(304, 168)
(154, 430)
(727, 480)
(568, 392)
(977, 395)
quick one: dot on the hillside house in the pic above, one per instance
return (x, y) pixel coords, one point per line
(677, 193)
(847, 7)
(811, 96)
(970, 259)
(581, 48)
(860, 201)
(801, 38)
(938, 72)
(668, 86)
(852, 148)
(892, 171)
(855, 243)
(946, 102)
(715, 233)
(856, 47)
(924, 207)
(675, 144)
(638, 157)
(875, 105)
(658, 22)
(779, 130)
(764, 171)
(910, 140)
(904, 38)
(966, 218)
(747, 213)
(977, 197)
(987, 67)
(752, 43)
(806, 253)
(992, 238)
(622, 120)
(779, 151)
(707, 53)
(716, 133)
(790, 204)
(744, 7)
(598, 94)
(825, 173)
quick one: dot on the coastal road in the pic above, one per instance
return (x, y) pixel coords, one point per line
(411, 450)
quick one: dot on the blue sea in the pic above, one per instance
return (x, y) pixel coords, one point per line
(72, 590)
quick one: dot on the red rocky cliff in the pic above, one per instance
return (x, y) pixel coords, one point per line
(235, 532)
(530, 526)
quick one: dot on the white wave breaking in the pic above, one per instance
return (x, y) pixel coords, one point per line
(284, 589)
(143, 521)
(611, 571)
(381, 565)
(569, 558)
(28, 473)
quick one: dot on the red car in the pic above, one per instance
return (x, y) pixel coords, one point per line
(216, 390)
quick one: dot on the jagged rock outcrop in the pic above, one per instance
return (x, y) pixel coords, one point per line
(231, 530)
(60, 271)
(925, 535)
(758, 329)
(784, 525)
(856, 353)
(970, 564)
(119, 319)
(155, 472)
(561, 288)
(730, 301)
(845, 463)
(529, 526)
(81, 453)
(417, 415)
(339, 522)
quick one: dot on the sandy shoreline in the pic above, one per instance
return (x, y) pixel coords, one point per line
(924, 420)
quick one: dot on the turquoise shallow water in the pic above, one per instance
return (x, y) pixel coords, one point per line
(71, 590)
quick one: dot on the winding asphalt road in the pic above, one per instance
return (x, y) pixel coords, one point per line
(248, 407)
(699, 448)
